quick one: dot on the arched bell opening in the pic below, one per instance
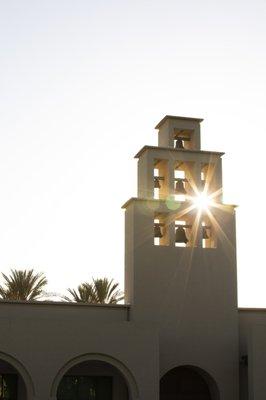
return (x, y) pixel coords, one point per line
(188, 383)
(12, 385)
(93, 380)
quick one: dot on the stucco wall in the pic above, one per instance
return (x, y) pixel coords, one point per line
(252, 343)
(190, 294)
(48, 339)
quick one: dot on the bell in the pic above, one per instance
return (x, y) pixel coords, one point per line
(157, 183)
(179, 143)
(180, 235)
(179, 187)
(205, 233)
(157, 231)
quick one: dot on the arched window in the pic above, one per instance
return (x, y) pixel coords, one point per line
(12, 386)
(92, 380)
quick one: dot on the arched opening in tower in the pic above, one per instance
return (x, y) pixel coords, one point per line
(187, 383)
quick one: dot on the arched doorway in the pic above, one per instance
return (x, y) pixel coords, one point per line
(12, 385)
(94, 377)
(188, 383)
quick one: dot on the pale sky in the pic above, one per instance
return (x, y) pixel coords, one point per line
(82, 85)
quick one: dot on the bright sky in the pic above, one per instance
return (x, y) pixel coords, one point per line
(83, 83)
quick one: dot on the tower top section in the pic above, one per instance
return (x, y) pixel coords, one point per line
(179, 132)
(167, 117)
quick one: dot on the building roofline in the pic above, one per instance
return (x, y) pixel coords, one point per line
(63, 304)
(162, 201)
(251, 309)
(176, 117)
(146, 147)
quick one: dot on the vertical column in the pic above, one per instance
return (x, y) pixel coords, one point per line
(171, 177)
(197, 178)
(145, 176)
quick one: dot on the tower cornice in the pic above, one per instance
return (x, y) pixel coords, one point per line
(163, 203)
(145, 148)
(177, 118)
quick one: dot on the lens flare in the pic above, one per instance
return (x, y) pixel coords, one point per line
(202, 201)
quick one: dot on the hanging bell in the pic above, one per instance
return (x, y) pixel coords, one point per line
(205, 234)
(180, 235)
(157, 231)
(157, 183)
(179, 143)
(179, 187)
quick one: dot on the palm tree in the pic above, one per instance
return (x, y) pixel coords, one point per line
(106, 291)
(23, 285)
(83, 294)
(100, 291)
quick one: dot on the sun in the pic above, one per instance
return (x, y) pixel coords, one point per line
(202, 201)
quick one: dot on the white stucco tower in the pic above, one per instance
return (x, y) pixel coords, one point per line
(180, 274)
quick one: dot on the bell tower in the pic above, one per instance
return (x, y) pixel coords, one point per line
(180, 254)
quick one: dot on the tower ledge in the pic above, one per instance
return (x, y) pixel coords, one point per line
(178, 118)
(163, 202)
(144, 148)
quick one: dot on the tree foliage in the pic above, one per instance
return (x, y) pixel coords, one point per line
(100, 291)
(23, 285)
(83, 294)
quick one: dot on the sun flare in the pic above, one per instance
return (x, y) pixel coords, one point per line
(202, 201)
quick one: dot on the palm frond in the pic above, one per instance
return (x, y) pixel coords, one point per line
(100, 291)
(23, 285)
(83, 294)
(105, 291)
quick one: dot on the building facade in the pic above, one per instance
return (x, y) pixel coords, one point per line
(180, 334)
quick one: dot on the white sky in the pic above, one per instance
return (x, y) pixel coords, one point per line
(83, 83)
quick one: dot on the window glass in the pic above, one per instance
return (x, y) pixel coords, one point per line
(8, 386)
(85, 388)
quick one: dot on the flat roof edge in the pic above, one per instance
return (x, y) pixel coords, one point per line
(62, 303)
(146, 147)
(251, 309)
(177, 117)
